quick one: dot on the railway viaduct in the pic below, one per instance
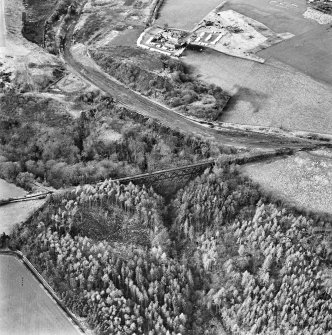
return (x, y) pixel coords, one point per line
(177, 175)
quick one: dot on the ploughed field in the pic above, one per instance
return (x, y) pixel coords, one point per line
(304, 180)
(292, 90)
(25, 307)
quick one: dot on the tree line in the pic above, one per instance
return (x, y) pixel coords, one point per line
(264, 269)
(220, 251)
(38, 138)
(164, 79)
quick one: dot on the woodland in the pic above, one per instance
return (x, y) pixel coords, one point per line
(164, 79)
(218, 256)
(39, 139)
(220, 252)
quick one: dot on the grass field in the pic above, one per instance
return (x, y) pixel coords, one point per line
(25, 307)
(270, 95)
(15, 212)
(304, 180)
(185, 14)
(293, 89)
(310, 53)
(8, 190)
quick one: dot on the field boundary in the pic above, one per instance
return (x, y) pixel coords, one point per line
(46, 286)
(154, 12)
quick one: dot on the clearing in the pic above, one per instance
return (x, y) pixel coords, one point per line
(25, 307)
(23, 65)
(112, 22)
(303, 180)
(235, 34)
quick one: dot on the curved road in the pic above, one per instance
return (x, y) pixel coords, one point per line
(138, 103)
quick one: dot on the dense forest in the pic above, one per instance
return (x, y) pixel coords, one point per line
(40, 139)
(265, 269)
(118, 275)
(219, 255)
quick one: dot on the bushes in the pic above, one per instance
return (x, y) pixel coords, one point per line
(38, 136)
(25, 180)
(166, 79)
(322, 6)
(10, 170)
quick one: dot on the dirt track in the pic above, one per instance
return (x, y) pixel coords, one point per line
(25, 307)
(146, 107)
(136, 102)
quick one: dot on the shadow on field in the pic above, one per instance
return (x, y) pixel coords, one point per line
(253, 97)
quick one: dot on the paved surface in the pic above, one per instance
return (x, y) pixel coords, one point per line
(25, 307)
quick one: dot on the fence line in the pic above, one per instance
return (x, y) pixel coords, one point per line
(46, 286)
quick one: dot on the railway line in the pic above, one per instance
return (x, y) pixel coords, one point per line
(177, 173)
(148, 108)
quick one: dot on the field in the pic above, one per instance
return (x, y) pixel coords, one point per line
(304, 180)
(270, 95)
(310, 53)
(112, 22)
(309, 50)
(185, 14)
(292, 90)
(16, 212)
(25, 308)
(8, 190)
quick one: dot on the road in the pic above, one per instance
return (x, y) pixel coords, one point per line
(25, 307)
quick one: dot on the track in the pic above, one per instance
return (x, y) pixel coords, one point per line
(140, 104)
(26, 198)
